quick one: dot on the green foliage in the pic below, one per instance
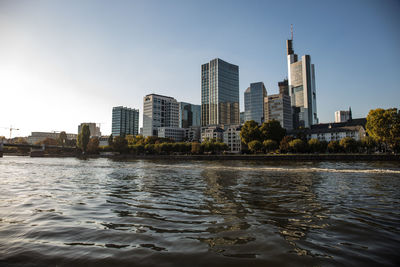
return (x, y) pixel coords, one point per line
(297, 146)
(110, 140)
(213, 146)
(93, 145)
(255, 146)
(315, 146)
(349, 145)
(120, 144)
(62, 139)
(195, 148)
(368, 144)
(334, 147)
(284, 144)
(250, 132)
(384, 126)
(270, 145)
(48, 142)
(272, 130)
(137, 149)
(83, 138)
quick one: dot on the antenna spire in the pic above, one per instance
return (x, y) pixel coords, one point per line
(291, 31)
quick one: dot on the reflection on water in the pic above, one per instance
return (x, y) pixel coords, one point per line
(103, 212)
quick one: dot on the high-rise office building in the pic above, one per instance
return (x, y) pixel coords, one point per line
(94, 130)
(254, 102)
(159, 111)
(125, 121)
(301, 88)
(189, 115)
(219, 93)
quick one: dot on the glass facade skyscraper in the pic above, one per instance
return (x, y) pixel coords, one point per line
(302, 90)
(125, 121)
(254, 102)
(219, 93)
(189, 115)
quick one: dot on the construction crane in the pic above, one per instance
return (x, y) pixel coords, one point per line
(11, 129)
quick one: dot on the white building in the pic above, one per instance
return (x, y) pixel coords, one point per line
(212, 132)
(174, 133)
(278, 107)
(336, 134)
(159, 111)
(94, 130)
(343, 115)
(232, 138)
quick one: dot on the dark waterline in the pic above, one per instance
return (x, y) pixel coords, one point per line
(70, 212)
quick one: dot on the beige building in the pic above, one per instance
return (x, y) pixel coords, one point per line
(40, 136)
(232, 138)
(94, 130)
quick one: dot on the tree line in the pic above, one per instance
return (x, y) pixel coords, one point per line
(383, 134)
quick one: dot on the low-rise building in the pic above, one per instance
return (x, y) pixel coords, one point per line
(94, 130)
(103, 140)
(36, 137)
(192, 134)
(212, 132)
(174, 133)
(336, 134)
(232, 138)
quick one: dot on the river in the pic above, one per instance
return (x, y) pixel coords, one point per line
(72, 212)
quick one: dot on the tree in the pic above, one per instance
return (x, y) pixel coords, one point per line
(195, 148)
(272, 130)
(83, 138)
(349, 145)
(62, 138)
(284, 144)
(297, 146)
(93, 145)
(110, 140)
(334, 147)
(255, 146)
(120, 144)
(270, 145)
(314, 145)
(250, 132)
(368, 144)
(384, 126)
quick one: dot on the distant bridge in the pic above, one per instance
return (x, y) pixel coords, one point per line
(39, 149)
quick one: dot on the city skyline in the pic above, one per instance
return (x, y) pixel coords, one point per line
(63, 65)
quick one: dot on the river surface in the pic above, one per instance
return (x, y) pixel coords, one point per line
(100, 212)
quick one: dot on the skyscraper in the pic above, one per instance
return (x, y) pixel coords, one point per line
(159, 111)
(189, 115)
(125, 121)
(219, 93)
(278, 107)
(301, 88)
(254, 102)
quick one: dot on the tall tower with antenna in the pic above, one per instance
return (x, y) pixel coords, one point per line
(301, 80)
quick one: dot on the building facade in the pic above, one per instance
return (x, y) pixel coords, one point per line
(301, 88)
(192, 134)
(278, 107)
(232, 138)
(177, 134)
(254, 102)
(125, 121)
(189, 115)
(343, 115)
(94, 130)
(212, 132)
(219, 93)
(36, 137)
(159, 111)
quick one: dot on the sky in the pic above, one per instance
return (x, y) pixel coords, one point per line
(67, 62)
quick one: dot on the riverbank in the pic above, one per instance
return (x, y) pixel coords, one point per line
(263, 157)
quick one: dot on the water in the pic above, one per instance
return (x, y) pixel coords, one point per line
(70, 212)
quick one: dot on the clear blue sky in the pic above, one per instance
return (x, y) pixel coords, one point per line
(67, 62)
